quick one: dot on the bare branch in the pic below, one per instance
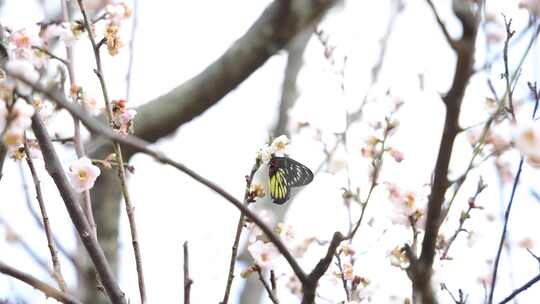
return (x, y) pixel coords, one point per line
(187, 280)
(47, 289)
(46, 227)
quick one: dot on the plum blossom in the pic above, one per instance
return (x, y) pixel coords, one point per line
(63, 31)
(279, 144)
(404, 207)
(24, 69)
(83, 174)
(117, 12)
(527, 140)
(127, 116)
(264, 254)
(265, 153)
(16, 123)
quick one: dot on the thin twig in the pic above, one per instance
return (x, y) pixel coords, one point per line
(187, 280)
(342, 276)
(377, 166)
(525, 286)
(509, 34)
(130, 210)
(271, 295)
(503, 235)
(27, 248)
(57, 274)
(464, 216)
(239, 228)
(47, 289)
(446, 34)
(38, 219)
(273, 282)
(66, 62)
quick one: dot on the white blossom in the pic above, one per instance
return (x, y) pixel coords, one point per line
(83, 174)
(264, 254)
(24, 69)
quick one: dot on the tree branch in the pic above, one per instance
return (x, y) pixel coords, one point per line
(55, 170)
(465, 49)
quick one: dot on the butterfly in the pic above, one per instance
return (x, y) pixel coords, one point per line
(285, 173)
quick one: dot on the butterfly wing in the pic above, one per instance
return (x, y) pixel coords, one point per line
(297, 174)
(279, 188)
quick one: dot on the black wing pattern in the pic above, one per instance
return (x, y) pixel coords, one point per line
(284, 174)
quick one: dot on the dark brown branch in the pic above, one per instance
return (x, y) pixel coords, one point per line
(46, 226)
(465, 49)
(187, 280)
(47, 289)
(309, 287)
(280, 22)
(55, 170)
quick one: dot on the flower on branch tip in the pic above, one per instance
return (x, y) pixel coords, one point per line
(24, 69)
(83, 174)
(397, 155)
(279, 144)
(116, 12)
(264, 254)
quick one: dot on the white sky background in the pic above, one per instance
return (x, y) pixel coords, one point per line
(176, 40)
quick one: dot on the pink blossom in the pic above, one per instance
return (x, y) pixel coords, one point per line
(127, 116)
